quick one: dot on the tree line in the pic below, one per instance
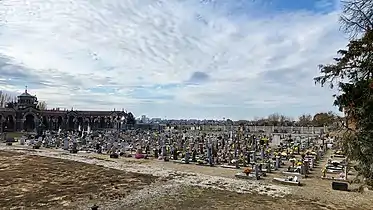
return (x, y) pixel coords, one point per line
(317, 120)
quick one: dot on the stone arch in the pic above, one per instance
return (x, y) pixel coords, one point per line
(86, 122)
(94, 122)
(102, 122)
(29, 113)
(9, 123)
(80, 122)
(107, 121)
(71, 121)
(53, 122)
(72, 113)
(59, 122)
(29, 121)
(45, 121)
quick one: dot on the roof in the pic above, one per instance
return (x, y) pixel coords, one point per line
(25, 94)
(6, 110)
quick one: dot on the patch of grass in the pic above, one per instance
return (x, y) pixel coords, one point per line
(199, 198)
(14, 134)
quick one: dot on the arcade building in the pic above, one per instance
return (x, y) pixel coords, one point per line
(24, 115)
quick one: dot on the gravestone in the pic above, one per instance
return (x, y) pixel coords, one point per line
(256, 168)
(156, 152)
(340, 186)
(164, 151)
(277, 165)
(262, 153)
(209, 156)
(174, 154)
(114, 155)
(187, 156)
(248, 157)
(194, 154)
(22, 141)
(66, 144)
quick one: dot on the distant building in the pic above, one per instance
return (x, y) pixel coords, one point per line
(24, 115)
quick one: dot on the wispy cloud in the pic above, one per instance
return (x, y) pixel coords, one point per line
(194, 58)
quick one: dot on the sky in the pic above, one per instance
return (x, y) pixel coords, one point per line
(200, 59)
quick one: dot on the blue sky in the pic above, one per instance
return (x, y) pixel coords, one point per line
(201, 59)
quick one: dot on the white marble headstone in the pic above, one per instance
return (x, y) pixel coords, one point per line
(22, 140)
(66, 144)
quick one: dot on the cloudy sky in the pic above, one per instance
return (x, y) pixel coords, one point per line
(236, 59)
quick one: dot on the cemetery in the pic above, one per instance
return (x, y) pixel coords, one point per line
(157, 55)
(173, 162)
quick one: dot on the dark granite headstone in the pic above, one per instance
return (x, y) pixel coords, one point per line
(194, 154)
(340, 186)
(114, 155)
(175, 154)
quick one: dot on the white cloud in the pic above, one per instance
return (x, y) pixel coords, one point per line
(67, 48)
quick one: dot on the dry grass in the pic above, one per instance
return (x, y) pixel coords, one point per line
(46, 183)
(198, 198)
(33, 182)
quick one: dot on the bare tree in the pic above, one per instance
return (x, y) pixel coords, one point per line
(305, 120)
(5, 99)
(357, 17)
(274, 119)
(42, 105)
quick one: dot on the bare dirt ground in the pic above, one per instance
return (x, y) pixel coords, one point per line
(65, 181)
(46, 183)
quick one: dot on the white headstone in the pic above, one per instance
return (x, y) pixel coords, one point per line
(32, 141)
(22, 140)
(276, 140)
(66, 144)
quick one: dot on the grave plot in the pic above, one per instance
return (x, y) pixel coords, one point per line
(47, 183)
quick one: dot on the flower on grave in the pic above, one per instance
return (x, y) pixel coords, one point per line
(247, 171)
